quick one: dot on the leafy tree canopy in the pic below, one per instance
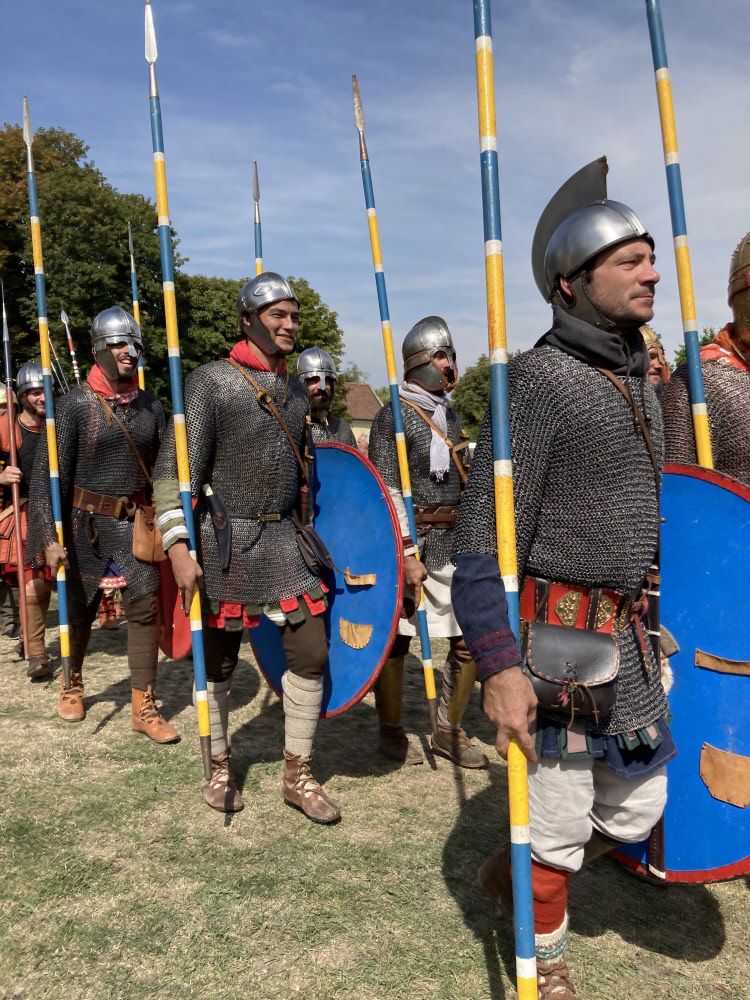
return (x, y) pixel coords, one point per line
(680, 355)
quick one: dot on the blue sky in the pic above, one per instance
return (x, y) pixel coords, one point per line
(243, 80)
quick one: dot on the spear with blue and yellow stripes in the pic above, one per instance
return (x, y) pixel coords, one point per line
(136, 305)
(679, 234)
(518, 789)
(49, 390)
(398, 421)
(257, 231)
(175, 379)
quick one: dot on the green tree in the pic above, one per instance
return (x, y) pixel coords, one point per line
(680, 356)
(383, 393)
(471, 397)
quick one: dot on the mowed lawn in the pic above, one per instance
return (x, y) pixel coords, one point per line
(118, 882)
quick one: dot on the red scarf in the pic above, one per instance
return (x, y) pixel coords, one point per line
(243, 354)
(101, 385)
(722, 349)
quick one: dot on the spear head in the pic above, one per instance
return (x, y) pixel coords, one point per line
(6, 335)
(151, 50)
(130, 240)
(359, 117)
(256, 185)
(28, 135)
(64, 318)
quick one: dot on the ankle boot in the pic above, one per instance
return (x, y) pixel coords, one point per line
(220, 791)
(148, 719)
(70, 707)
(303, 792)
(458, 748)
(393, 741)
(553, 980)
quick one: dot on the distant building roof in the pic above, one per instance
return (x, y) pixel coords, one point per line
(361, 401)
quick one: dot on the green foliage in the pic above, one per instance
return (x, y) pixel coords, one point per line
(680, 356)
(471, 397)
(383, 394)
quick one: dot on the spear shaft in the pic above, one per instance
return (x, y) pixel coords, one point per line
(256, 224)
(679, 233)
(518, 790)
(59, 373)
(15, 489)
(71, 347)
(398, 420)
(136, 305)
(49, 390)
(175, 378)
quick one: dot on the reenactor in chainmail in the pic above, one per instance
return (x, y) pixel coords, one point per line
(587, 523)
(246, 419)
(317, 371)
(659, 371)
(725, 364)
(29, 425)
(436, 449)
(108, 436)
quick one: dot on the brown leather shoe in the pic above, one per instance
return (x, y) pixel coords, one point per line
(494, 879)
(39, 668)
(70, 707)
(220, 791)
(553, 980)
(303, 792)
(148, 719)
(394, 744)
(457, 747)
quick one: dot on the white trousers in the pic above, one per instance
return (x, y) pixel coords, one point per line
(571, 799)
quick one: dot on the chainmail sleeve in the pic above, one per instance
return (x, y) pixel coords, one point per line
(678, 419)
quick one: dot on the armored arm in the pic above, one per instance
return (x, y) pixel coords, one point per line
(41, 530)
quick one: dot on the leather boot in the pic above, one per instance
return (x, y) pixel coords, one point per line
(148, 719)
(70, 707)
(458, 748)
(220, 791)
(553, 980)
(393, 741)
(494, 879)
(303, 792)
(39, 668)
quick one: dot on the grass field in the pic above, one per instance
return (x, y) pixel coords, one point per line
(120, 883)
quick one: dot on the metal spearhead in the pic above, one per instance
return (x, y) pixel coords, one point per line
(359, 117)
(6, 335)
(130, 240)
(64, 319)
(151, 51)
(28, 136)
(256, 185)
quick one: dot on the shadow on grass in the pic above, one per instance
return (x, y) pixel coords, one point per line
(680, 922)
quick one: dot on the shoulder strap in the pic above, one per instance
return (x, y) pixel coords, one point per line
(639, 418)
(452, 448)
(265, 400)
(109, 412)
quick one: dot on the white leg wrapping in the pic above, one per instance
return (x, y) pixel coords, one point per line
(551, 947)
(302, 700)
(218, 713)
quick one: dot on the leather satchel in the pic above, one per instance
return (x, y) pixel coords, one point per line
(572, 669)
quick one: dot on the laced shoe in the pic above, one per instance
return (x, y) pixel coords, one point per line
(394, 744)
(70, 707)
(303, 792)
(220, 791)
(458, 748)
(553, 980)
(146, 717)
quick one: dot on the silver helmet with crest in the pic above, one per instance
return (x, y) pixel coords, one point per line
(426, 339)
(578, 224)
(110, 327)
(30, 376)
(263, 290)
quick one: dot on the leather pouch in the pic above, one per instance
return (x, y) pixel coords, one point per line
(313, 550)
(147, 545)
(572, 669)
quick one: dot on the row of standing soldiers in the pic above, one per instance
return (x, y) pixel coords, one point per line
(586, 489)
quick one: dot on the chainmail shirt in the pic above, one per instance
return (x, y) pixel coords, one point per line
(727, 392)
(239, 448)
(585, 498)
(94, 454)
(333, 429)
(435, 543)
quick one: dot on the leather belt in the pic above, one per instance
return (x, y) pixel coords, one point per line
(599, 609)
(122, 508)
(436, 517)
(262, 518)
